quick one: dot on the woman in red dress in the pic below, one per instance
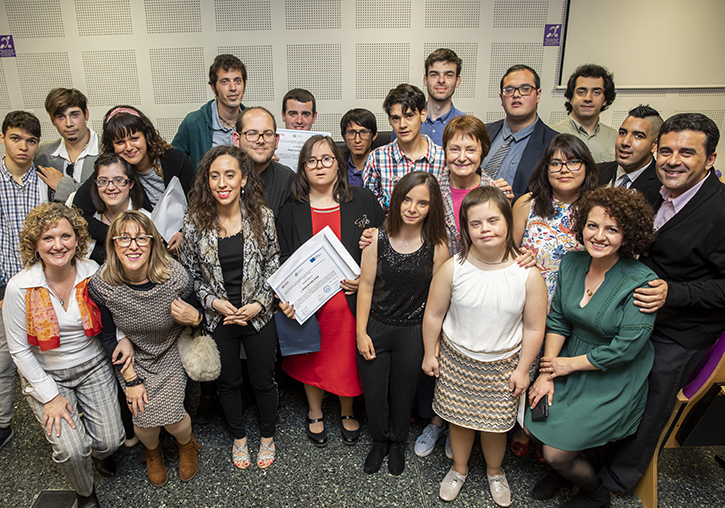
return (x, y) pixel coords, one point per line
(321, 197)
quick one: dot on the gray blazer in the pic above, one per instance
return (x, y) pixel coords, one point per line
(67, 185)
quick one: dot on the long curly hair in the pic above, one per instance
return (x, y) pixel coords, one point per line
(41, 219)
(202, 205)
(631, 211)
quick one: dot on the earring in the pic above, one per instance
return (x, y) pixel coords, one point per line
(242, 191)
(37, 255)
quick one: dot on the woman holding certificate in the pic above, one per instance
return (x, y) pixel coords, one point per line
(321, 197)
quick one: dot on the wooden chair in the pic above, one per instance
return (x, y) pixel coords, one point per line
(712, 371)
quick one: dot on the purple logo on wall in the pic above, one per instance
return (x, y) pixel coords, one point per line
(552, 35)
(7, 48)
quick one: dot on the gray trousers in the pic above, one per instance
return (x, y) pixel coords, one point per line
(7, 379)
(90, 388)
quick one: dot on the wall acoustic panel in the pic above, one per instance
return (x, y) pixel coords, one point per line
(454, 14)
(167, 127)
(379, 67)
(716, 115)
(520, 14)
(242, 15)
(495, 115)
(111, 77)
(172, 16)
(556, 116)
(327, 121)
(260, 70)
(179, 75)
(35, 19)
(313, 14)
(103, 17)
(4, 93)
(506, 54)
(317, 68)
(468, 53)
(618, 117)
(39, 73)
(382, 13)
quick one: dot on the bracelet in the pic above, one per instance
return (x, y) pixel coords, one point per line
(198, 321)
(138, 380)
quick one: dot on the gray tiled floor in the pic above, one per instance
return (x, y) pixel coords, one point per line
(304, 476)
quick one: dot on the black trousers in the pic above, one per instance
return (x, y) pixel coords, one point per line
(389, 381)
(260, 348)
(626, 461)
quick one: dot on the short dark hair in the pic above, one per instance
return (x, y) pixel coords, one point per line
(444, 55)
(136, 193)
(22, 120)
(240, 118)
(409, 97)
(434, 225)
(479, 196)
(299, 95)
(301, 185)
(541, 191)
(363, 117)
(60, 99)
(591, 71)
(693, 122)
(470, 126)
(634, 216)
(521, 67)
(227, 63)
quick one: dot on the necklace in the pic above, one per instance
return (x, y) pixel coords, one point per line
(65, 289)
(227, 124)
(488, 262)
(590, 292)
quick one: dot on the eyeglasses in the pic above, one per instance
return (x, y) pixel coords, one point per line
(253, 136)
(125, 241)
(572, 165)
(523, 90)
(326, 160)
(118, 181)
(364, 134)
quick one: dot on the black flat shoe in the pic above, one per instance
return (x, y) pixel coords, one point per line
(396, 459)
(88, 502)
(107, 466)
(349, 437)
(375, 457)
(549, 485)
(319, 439)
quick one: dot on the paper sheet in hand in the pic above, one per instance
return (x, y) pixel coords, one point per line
(168, 214)
(290, 144)
(312, 275)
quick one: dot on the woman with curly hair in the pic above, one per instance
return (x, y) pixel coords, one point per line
(230, 246)
(597, 353)
(51, 327)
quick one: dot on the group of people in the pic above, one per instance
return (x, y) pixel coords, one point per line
(559, 288)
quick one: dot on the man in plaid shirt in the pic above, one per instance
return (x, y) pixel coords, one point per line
(410, 151)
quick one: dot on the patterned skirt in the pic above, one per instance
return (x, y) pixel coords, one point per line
(475, 394)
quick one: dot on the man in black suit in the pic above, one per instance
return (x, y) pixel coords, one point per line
(518, 140)
(689, 257)
(634, 167)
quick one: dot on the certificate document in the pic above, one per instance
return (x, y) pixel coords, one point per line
(290, 145)
(312, 275)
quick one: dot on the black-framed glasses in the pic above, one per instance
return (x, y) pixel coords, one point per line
(364, 134)
(125, 241)
(326, 160)
(572, 165)
(118, 181)
(253, 136)
(523, 90)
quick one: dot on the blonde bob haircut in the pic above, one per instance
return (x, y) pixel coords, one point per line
(44, 217)
(159, 263)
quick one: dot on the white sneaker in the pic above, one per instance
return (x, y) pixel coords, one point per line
(451, 485)
(500, 491)
(428, 439)
(449, 450)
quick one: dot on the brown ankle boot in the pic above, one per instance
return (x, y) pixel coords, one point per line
(155, 467)
(188, 461)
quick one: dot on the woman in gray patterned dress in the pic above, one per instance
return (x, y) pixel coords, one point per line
(149, 296)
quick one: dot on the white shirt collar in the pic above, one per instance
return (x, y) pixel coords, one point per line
(90, 149)
(34, 276)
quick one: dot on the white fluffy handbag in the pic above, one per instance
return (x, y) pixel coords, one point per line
(199, 356)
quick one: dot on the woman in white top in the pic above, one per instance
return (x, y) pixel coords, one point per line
(495, 314)
(51, 325)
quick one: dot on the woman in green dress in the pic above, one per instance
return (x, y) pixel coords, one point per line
(597, 353)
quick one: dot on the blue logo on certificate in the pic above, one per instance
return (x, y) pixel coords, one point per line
(312, 260)
(327, 288)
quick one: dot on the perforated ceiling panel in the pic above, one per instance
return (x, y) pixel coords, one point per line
(4, 94)
(520, 14)
(557, 116)
(379, 67)
(179, 75)
(111, 77)
(167, 127)
(242, 15)
(41, 72)
(313, 14)
(466, 51)
(506, 54)
(172, 16)
(328, 122)
(494, 116)
(317, 68)
(382, 13)
(35, 19)
(452, 14)
(260, 70)
(103, 17)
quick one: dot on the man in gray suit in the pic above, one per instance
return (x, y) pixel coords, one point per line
(64, 164)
